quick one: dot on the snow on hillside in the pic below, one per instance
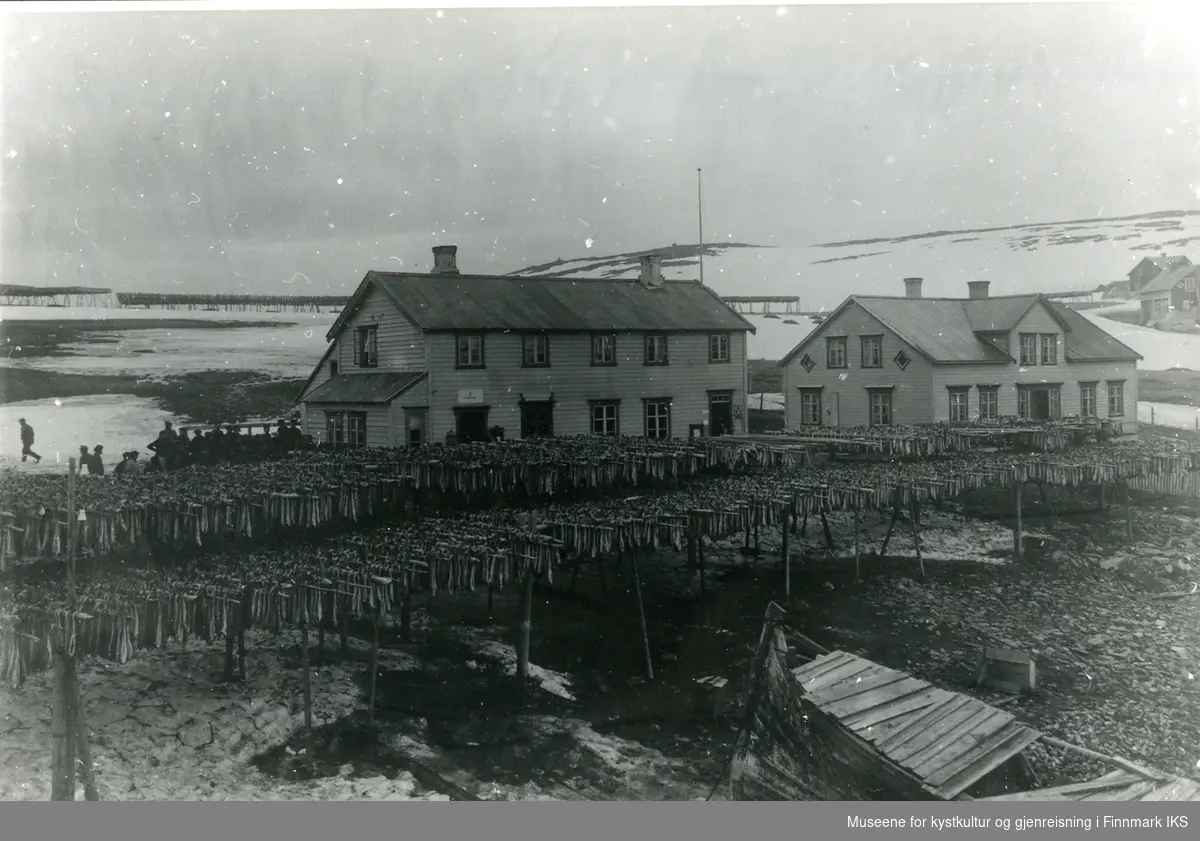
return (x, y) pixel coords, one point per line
(1160, 350)
(1052, 257)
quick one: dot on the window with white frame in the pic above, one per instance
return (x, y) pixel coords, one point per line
(1029, 348)
(1116, 398)
(718, 347)
(366, 343)
(535, 350)
(605, 417)
(959, 402)
(989, 402)
(656, 349)
(1087, 400)
(1049, 349)
(346, 428)
(658, 418)
(604, 349)
(835, 352)
(470, 350)
(872, 351)
(810, 407)
(880, 403)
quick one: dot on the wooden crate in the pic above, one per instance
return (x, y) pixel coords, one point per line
(1006, 670)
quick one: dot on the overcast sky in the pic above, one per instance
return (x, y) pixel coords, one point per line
(293, 151)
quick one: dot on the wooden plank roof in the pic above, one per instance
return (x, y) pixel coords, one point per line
(945, 740)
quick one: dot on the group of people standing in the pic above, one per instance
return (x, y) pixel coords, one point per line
(172, 450)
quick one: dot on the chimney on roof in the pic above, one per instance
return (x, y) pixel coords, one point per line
(977, 288)
(445, 259)
(912, 287)
(651, 276)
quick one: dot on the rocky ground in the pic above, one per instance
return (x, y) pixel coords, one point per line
(1118, 655)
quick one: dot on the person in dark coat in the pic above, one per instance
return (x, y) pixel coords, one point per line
(85, 460)
(96, 465)
(27, 442)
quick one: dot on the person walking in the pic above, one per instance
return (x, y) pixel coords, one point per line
(27, 442)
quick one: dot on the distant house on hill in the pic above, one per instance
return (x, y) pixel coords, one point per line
(415, 357)
(1117, 290)
(1171, 297)
(882, 361)
(1150, 267)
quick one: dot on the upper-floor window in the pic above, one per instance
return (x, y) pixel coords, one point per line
(718, 347)
(1049, 349)
(469, 350)
(535, 350)
(1029, 348)
(656, 349)
(366, 343)
(835, 352)
(604, 349)
(872, 351)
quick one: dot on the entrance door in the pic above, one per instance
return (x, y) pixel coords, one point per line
(1040, 404)
(471, 424)
(414, 426)
(537, 419)
(720, 414)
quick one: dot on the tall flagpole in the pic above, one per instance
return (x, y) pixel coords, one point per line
(700, 213)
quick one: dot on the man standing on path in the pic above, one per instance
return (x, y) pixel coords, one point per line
(27, 442)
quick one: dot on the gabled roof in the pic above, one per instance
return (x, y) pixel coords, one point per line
(1167, 280)
(440, 303)
(954, 330)
(365, 388)
(1086, 342)
(1163, 262)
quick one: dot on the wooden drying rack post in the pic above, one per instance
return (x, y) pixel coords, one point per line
(525, 629)
(69, 721)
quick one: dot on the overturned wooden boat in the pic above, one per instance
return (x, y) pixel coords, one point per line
(841, 727)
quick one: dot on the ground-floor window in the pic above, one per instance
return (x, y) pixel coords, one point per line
(346, 428)
(537, 419)
(605, 417)
(880, 402)
(989, 402)
(959, 405)
(1116, 398)
(658, 418)
(1087, 400)
(810, 407)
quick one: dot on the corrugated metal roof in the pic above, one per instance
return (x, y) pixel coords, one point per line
(462, 302)
(1165, 280)
(945, 740)
(364, 388)
(1118, 785)
(938, 327)
(1086, 342)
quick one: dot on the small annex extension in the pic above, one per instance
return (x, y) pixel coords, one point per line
(416, 358)
(883, 361)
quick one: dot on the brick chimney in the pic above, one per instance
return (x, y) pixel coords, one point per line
(912, 287)
(445, 259)
(651, 276)
(977, 288)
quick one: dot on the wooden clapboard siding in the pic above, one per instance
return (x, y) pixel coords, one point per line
(400, 344)
(847, 398)
(575, 381)
(379, 426)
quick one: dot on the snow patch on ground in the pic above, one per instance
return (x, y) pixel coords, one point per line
(1169, 414)
(553, 682)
